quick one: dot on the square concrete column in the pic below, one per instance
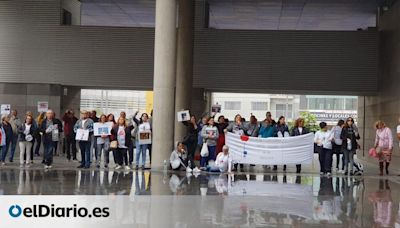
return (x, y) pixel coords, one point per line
(164, 81)
(184, 67)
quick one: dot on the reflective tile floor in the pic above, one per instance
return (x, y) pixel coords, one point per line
(237, 200)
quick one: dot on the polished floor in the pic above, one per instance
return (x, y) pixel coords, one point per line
(239, 200)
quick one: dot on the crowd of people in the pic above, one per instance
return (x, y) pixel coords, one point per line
(46, 130)
(205, 135)
(340, 140)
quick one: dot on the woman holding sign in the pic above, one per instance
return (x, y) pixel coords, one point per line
(103, 143)
(26, 132)
(122, 133)
(143, 138)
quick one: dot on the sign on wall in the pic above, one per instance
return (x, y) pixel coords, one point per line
(43, 106)
(5, 109)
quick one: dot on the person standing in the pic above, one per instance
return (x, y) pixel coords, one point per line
(15, 124)
(349, 137)
(221, 125)
(26, 132)
(252, 127)
(103, 144)
(210, 135)
(383, 145)
(85, 124)
(122, 133)
(237, 128)
(38, 138)
(69, 134)
(50, 130)
(8, 136)
(142, 144)
(337, 144)
(56, 137)
(282, 130)
(190, 140)
(299, 129)
(323, 138)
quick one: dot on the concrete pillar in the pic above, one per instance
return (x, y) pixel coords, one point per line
(164, 81)
(184, 68)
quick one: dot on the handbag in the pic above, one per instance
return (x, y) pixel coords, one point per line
(114, 144)
(204, 150)
(372, 153)
(29, 138)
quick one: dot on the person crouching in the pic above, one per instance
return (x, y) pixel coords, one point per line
(223, 163)
(178, 158)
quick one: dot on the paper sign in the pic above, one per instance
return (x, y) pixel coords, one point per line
(145, 137)
(216, 108)
(102, 128)
(183, 116)
(82, 135)
(43, 106)
(5, 109)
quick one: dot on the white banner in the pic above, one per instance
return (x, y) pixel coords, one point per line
(271, 151)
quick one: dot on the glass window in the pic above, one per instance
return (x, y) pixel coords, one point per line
(232, 105)
(281, 110)
(259, 106)
(351, 104)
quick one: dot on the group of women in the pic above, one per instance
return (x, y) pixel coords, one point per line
(212, 134)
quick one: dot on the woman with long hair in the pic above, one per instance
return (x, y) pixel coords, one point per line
(26, 132)
(122, 133)
(383, 145)
(299, 129)
(142, 142)
(210, 136)
(349, 136)
(282, 130)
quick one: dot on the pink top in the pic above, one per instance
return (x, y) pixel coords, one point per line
(384, 138)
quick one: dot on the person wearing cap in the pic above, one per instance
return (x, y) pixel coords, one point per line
(86, 124)
(26, 132)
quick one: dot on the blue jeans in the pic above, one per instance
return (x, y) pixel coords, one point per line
(211, 156)
(4, 150)
(141, 150)
(48, 152)
(14, 140)
(85, 147)
(100, 148)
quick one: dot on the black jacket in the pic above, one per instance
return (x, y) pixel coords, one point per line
(296, 132)
(47, 137)
(128, 135)
(349, 133)
(191, 134)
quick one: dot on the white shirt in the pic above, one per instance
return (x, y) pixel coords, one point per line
(83, 123)
(300, 130)
(27, 128)
(222, 162)
(324, 139)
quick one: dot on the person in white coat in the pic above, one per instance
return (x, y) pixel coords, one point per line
(323, 138)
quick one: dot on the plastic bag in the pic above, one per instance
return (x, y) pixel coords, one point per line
(204, 150)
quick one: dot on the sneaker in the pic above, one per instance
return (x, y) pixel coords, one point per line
(189, 170)
(50, 166)
(118, 167)
(196, 170)
(203, 168)
(328, 174)
(106, 166)
(321, 173)
(3, 163)
(46, 167)
(137, 167)
(127, 168)
(98, 166)
(346, 173)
